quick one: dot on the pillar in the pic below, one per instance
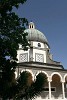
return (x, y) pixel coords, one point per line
(49, 83)
(63, 92)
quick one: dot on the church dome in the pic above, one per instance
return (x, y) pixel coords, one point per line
(35, 35)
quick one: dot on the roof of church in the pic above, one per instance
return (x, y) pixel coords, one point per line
(35, 35)
(42, 65)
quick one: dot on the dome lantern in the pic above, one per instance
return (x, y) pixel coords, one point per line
(31, 25)
(35, 35)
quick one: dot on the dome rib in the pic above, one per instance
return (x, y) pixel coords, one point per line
(36, 35)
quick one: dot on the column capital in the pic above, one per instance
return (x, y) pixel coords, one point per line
(49, 79)
(63, 81)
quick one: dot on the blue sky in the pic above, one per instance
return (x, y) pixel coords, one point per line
(50, 17)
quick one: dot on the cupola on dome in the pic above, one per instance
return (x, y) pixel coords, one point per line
(35, 35)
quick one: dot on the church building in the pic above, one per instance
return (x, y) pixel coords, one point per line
(38, 59)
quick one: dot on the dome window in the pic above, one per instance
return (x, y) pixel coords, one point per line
(39, 45)
(31, 25)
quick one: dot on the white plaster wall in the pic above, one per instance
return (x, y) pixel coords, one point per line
(22, 52)
(40, 52)
(46, 46)
(31, 54)
(35, 44)
(34, 51)
(20, 46)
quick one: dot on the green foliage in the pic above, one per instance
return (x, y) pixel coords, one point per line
(25, 79)
(11, 35)
(6, 5)
(40, 80)
(38, 86)
(28, 88)
(24, 83)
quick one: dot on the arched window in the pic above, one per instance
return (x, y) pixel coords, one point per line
(39, 45)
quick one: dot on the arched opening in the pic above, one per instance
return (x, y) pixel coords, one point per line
(25, 78)
(41, 72)
(57, 86)
(41, 80)
(65, 86)
(27, 70)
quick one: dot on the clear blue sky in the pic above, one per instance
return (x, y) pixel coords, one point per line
(50, 17)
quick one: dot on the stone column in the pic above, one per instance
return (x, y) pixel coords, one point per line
(63, 92)
(49, 83)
